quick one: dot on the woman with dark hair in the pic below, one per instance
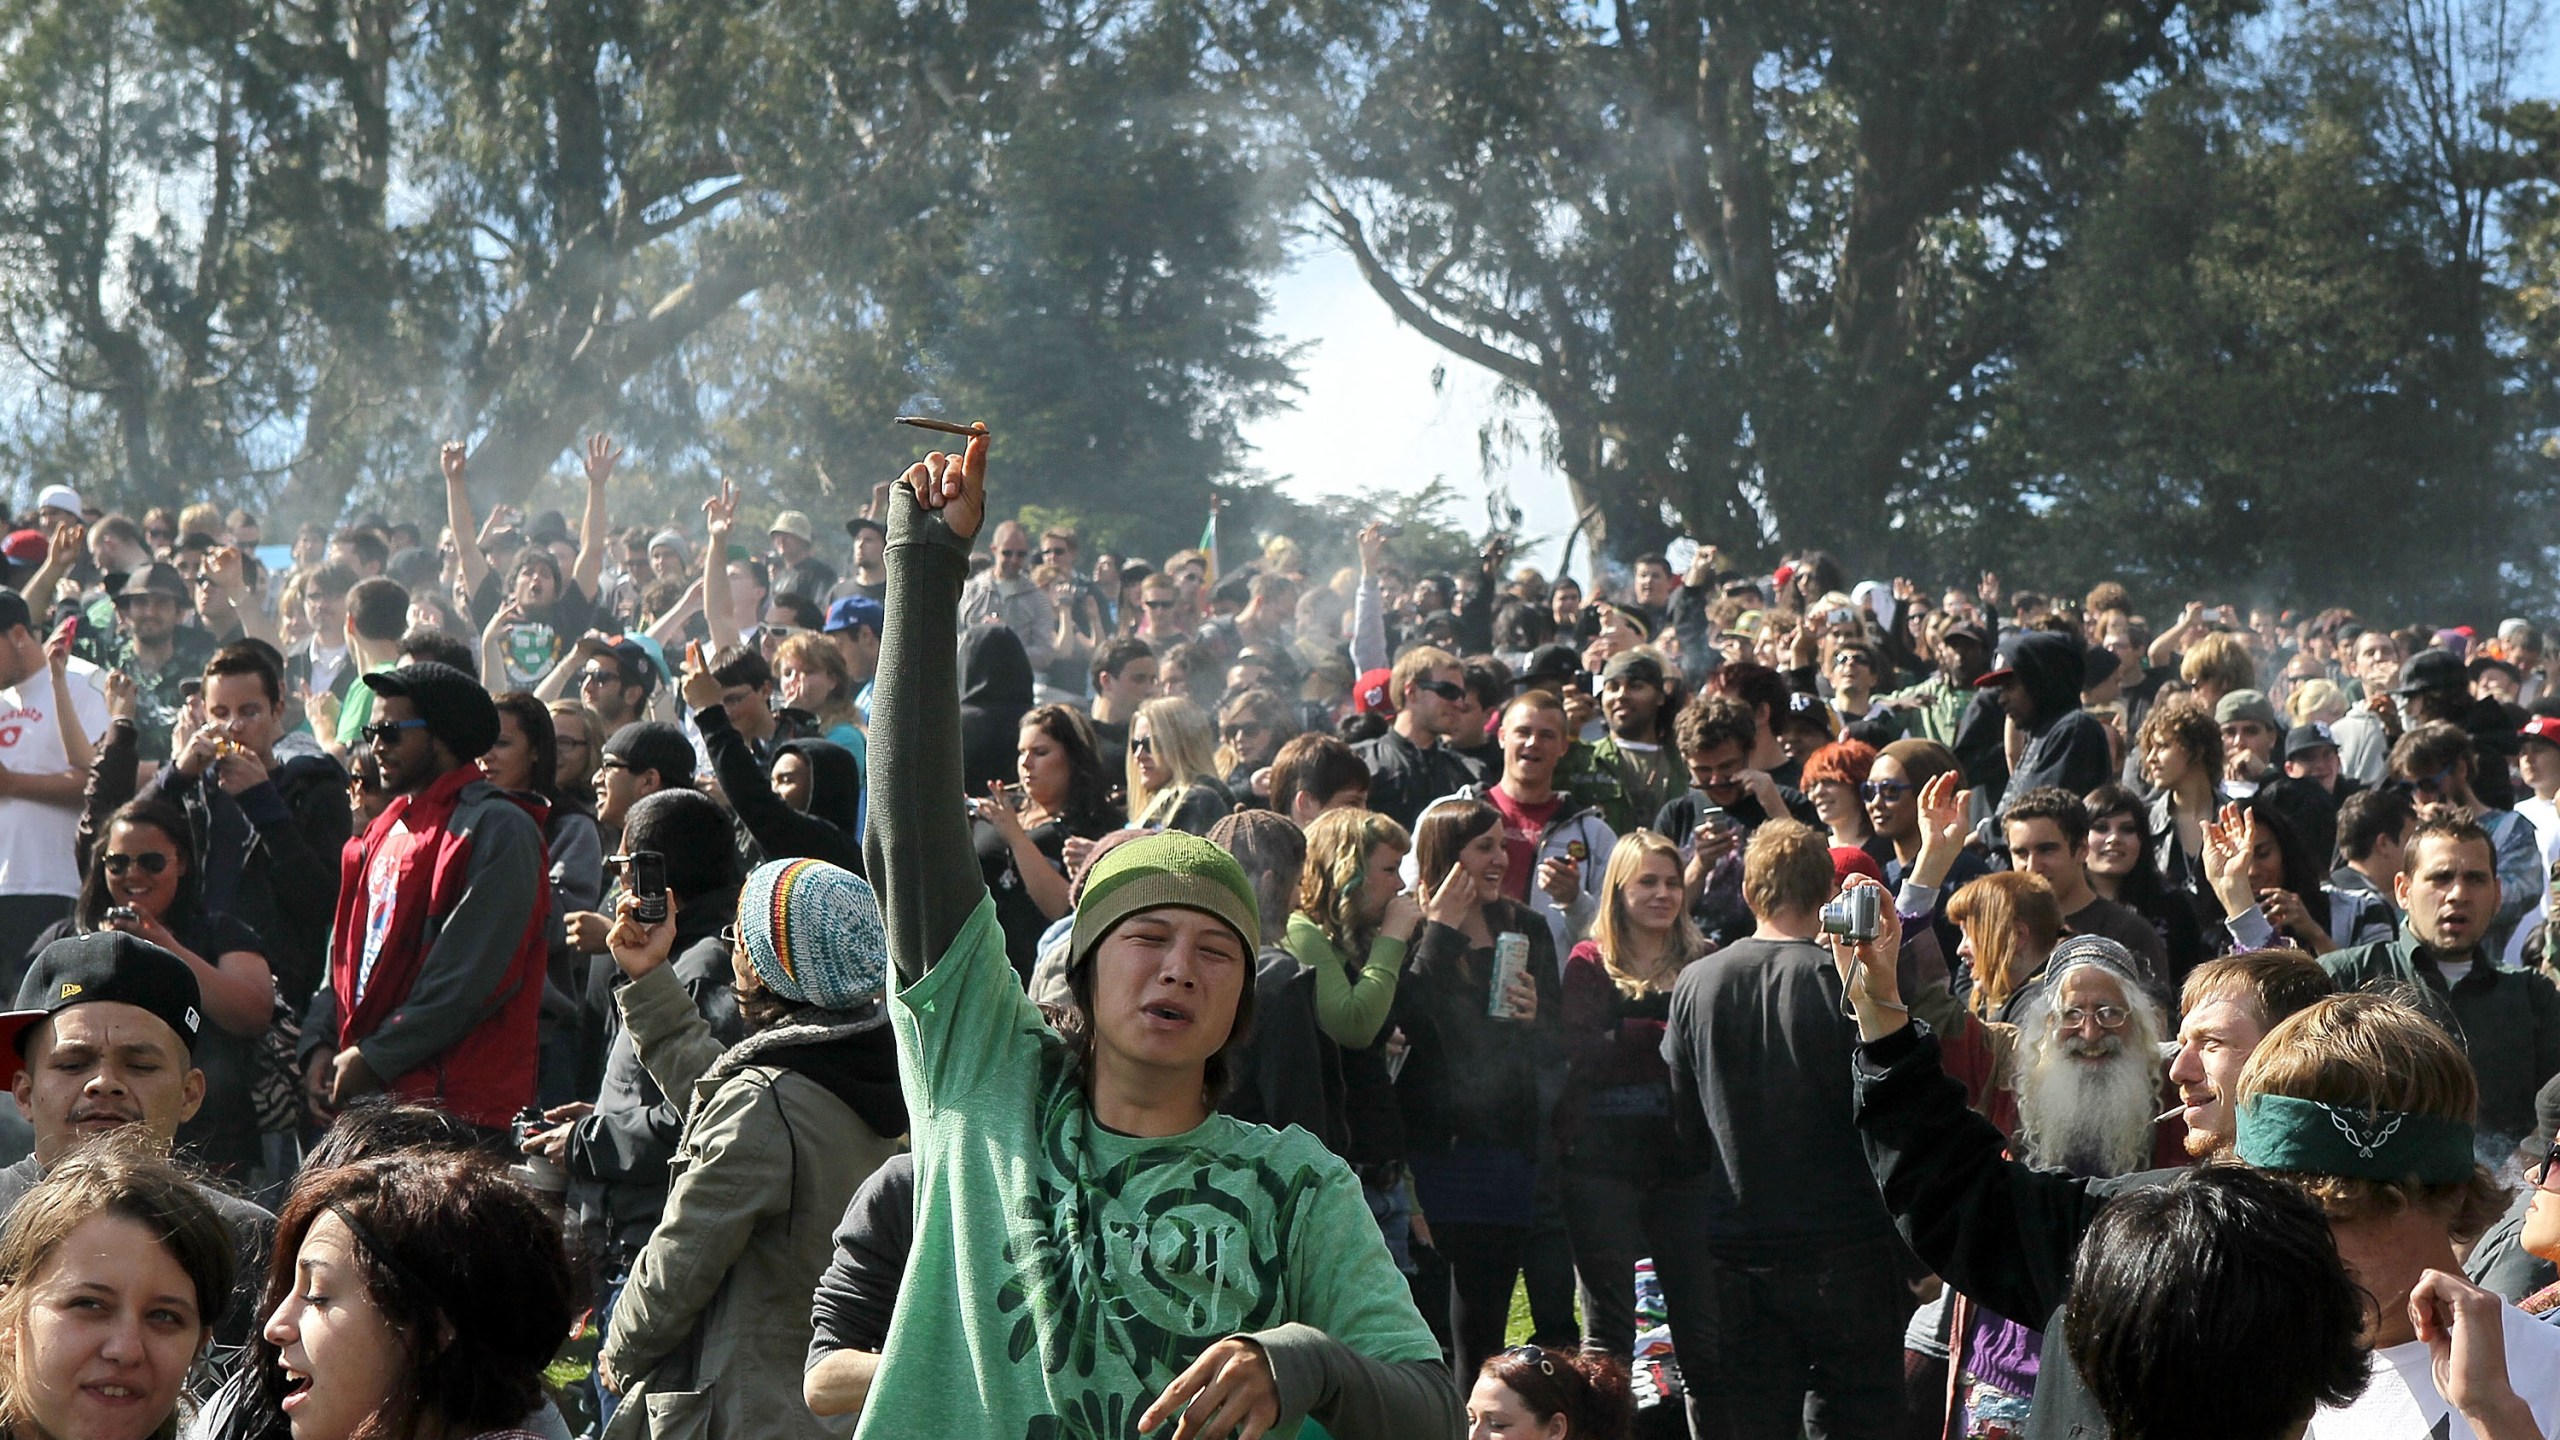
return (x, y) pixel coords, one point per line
(2273, 894)
(413, 1297)
(2181, 751)
(2123, 869)
(526, 760)
(112, 1270)
(1020, 832)
(1530, 1390)
(1471, 1086)
(144, 880)
(782, 1128)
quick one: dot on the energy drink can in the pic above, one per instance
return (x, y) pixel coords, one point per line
(1510, 962)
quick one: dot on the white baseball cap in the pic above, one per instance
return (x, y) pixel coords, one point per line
(60, 497)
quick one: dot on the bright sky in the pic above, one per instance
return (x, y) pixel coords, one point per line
(1370, 422)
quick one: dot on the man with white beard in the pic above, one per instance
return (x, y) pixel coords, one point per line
(2089, 1075)
(2088, 1083)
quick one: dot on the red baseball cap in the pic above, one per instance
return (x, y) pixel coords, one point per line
(25, 547)
(1848, 860)
(2545, 728)
(1373, 693)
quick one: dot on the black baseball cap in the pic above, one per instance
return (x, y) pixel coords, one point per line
(457, 711)
(854, 527)
(107, 965)
(653, 745)
(1550, 667)
(2304, 738)
(2431, 670)
(637, 665)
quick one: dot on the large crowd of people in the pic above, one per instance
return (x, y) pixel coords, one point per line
(484, 975)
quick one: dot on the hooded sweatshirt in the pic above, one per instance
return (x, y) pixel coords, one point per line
(825, 831)
(2066, 745)
(995, 693)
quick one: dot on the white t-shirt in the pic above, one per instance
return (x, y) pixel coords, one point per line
(36, 839)
(2402, 1403)
(2546, 833)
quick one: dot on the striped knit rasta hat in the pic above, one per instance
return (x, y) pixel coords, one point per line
(812, 931)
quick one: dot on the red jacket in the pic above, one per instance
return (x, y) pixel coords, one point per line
(449, 1015)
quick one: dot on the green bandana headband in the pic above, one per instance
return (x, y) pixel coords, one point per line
(2279, 1132)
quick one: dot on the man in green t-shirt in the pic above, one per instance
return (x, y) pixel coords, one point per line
(1098, 1253)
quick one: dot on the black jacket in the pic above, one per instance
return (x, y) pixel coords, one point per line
(1289, 1071)
(995, 693)
(1404, 778)
(859, 1290)
(270, 855)
(2066, 745)
(618, 1156)
(2001, 1232)
(1469, 1078)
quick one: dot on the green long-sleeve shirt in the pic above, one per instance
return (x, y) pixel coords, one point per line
(1062, 1274)
(1350, 1009)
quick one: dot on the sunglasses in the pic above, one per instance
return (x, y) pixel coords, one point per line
(2109, 1017)
(152, 862)
(1448, 690)
(1885, 789)
(2542, 1175)
(1533, 1355)
(385, 732)
(1163, 604)
(1014, 554)
(1238, 732)
(1142, 745)
(2435, 784)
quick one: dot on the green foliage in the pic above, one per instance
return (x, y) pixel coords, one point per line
(743, 236)
(1751, 257)
(2268, 366)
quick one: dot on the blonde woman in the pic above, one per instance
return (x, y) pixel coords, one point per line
(1353, 927)
(2316, 702)
(1614, 1120)
(812, 674)
(1173, 769)
(580, 736)
(1354, 920)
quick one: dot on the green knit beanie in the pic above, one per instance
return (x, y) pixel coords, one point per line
(1167, 869)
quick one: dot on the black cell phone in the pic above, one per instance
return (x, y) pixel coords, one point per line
(644, 874)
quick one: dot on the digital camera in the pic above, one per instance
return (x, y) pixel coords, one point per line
(1855, 915)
